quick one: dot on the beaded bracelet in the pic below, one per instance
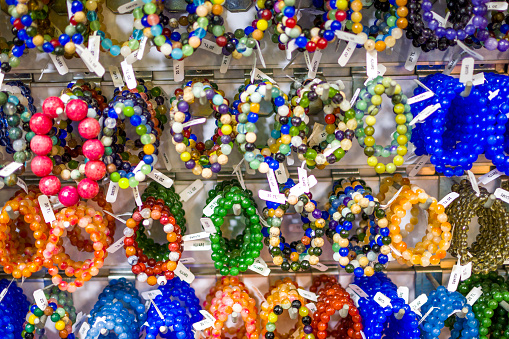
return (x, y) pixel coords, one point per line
(396, 320)
(369, 104)
(339, 118)
(60, 310)
(487, 252)
(448, 136)
(298, 255)
(445, 304)
(22, 212)
(367, 251)
(17, 112)
(142, 115)
(437, 239)
(490, 315)
(12, 309)
(497, 30)
(252, 99)
(331, 298)
(123, 309)
(226, 300)
(41, 144)
(315, 38)
(202, 158)
(233, 256)
(283, 295)
(171, 200)
(180, 308)
(154, 266)
(96, 225)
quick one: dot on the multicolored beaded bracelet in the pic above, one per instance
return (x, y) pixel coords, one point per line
(388, 26)
(203, 158)
(369, 104)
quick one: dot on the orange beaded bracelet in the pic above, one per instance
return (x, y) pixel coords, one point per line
(437, 239)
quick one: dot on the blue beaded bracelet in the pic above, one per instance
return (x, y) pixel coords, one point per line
(13, 309)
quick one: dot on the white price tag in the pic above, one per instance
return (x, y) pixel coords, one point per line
(478, 79)
(356, 38)
(183, 273)
(418, 303)
(178, 70)
(194, 122)
(355, 96)
(115, 216)
(502, 195)
(9, 169)
(84, 330)
(191, 190)
(209, 209)
(371, 64)
(490, 176)
(392, 199)
(426, 314)
(225, 63)
(467, 70)
(448, 199)
(187, 260)
(321, 267)
(423, 159)
(92, 64)
(195, 236)
(116, 245)
(141, 50)
(354, 296)
(208, 225)
(21, 183)
(130, 6)
(281, 174)
(161, 178)
(137, 198)
(454, 280)
(317, 56)
(347, 53)
(271, 196)
(111, 195)
(303, 179)
(151, 294)
(413, 56)
(202, 325)
(271, 178)
(473, 295)
(452, 63)
(469, 51)
(425, 113)
(308, 295)
(307, 58)
(504, 305)
(46, 209)
(59, 62)
(466, 271)
(197, 245)
(403, 293)
(80, 318)
(260, 269)
(210, 46)
(40, 299)
(496, 6)
(358, 290)
(129, 76)
(382, 300)
(420, 97)
(473, 181)
(93, 45)
(116, 77)
(256, 74)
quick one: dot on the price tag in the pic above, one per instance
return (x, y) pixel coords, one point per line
(195, 236)
(418, 303)
(137, 198)
(496, 6)
(40, 299)
(260, 55)
(371, 64)
(363, 335)
(311, 307)
(420, 97)
(347, 53)
(307, 58)
(256, 74)
(80, 318)
(84, 330)
(197, 245)
(452, 63)
(178, 70)
(129, 76)
(9, 169)
(473, 181)
(473, 295)
(502, 194)
(478, 79)
(187, 260)
(194, 122)
(469, 51)
(466, 271)
(47, 210)
(355, 96)
(116, 77)
(423, 159)
(111, 195)
(116, 217)
(21, 183)
(490, 176)
(303, 178)
(321, 267)
(454, 279)
(191, 190)
(467, 70)
(225, 63)
(260, 269)
(413, 56)
(209, 209)
(358, 290)
(357, 39)
(202, 325)
(308, 295)
(403, 293)
(151, 294)
(271, 196)
(425, 113)
(395, 251)
(290, 47)
(92, 64)
(141, 50)
(271, 177)
(427, 314)
(93, 45)
(354, 296)
(208, 225)
(130, 6)
(504, 305)
(210, 46)
(493, 95)
(116, 245)
(317, 56)
(59, 62)
(184, 274)
(161, 178)
(281, 174)
(448, 199)
(5, 290)
(392, 199)
(382, 300)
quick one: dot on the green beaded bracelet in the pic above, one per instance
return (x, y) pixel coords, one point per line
(233, 256)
